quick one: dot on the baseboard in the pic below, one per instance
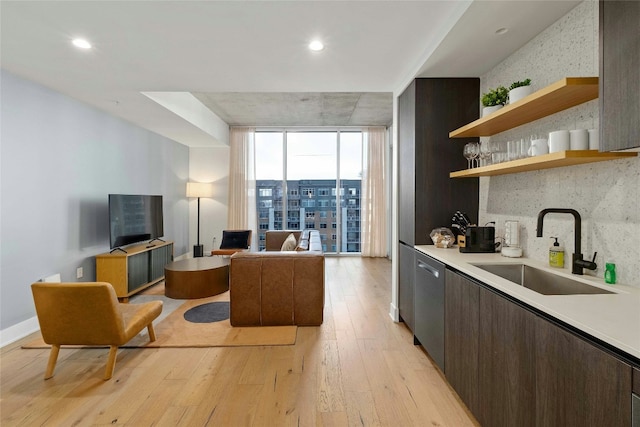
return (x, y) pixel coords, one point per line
(394, 313)
(19, 331)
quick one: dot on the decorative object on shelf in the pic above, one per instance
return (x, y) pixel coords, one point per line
(544, 161)
(579, 139)
(559, 141)
(485, 153)
(538, 147)
(494, 100)
(519, 90)
(559, 96)
(198, 190)
(470, 152)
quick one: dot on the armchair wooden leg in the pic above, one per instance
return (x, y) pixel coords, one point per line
(152, 333)
(111, 362)
(53, 358)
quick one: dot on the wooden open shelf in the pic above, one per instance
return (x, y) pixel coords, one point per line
(546, 161)
(563, 94)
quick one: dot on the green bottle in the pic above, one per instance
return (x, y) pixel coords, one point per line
(610, 273)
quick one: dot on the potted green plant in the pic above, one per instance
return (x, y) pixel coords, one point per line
(519, 90)
(494, 100)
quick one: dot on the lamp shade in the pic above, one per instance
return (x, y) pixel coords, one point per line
(199, 189)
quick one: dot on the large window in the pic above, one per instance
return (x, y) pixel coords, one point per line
(319, 173)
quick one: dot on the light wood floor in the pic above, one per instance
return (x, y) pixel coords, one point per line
(358, 369)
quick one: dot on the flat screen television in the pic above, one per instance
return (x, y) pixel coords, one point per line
(134, 218)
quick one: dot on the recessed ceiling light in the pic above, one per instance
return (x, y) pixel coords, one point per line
(316, 46)
(81, 43)
(501, 31)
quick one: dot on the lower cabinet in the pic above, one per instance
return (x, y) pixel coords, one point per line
(512, 367)
(507, 363)
(461, 338)
(406, 282)
(578, 384)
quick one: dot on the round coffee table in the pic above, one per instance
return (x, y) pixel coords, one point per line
(196, 277)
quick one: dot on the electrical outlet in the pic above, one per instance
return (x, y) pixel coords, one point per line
(79, 273)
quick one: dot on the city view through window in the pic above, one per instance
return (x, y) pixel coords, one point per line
(310, 180)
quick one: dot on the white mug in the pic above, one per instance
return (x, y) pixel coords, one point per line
(538, 147)
(579, 139)
(594, 135)
(558, 141)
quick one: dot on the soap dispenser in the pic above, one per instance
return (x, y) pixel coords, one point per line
(556, 254)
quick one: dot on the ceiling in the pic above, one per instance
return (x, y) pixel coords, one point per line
(247, 62)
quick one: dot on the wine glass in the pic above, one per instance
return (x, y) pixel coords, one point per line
(469, 153)
(485, 152)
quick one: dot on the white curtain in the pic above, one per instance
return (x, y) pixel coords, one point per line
(242, 181)
(373, 198)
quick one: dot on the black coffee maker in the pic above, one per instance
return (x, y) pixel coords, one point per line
(480, 240)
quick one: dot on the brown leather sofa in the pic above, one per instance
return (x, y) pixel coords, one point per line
(273, 287)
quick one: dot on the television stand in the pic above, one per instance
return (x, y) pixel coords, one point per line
(135, 269)
(117, 249)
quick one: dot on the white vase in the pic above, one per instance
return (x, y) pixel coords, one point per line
(518, 93)
(488, 110)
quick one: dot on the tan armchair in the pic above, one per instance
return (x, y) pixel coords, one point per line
(88, 313)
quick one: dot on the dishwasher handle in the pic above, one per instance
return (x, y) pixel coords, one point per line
(428, 268)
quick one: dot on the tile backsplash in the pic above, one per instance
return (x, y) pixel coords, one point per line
(606, 194)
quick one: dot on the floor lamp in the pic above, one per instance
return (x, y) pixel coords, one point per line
(198, 190)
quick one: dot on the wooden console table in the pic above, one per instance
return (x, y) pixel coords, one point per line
(134, 268)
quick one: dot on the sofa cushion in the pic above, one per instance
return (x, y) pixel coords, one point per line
(289, 243)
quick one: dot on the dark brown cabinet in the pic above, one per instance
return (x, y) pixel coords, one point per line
(507, 362)
(461, 338)
(406, 282)
(578, 384)
(427, 111)
(512, 366)
(619, 75)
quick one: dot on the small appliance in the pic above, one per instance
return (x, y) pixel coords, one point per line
(511, 247)
(480, 240)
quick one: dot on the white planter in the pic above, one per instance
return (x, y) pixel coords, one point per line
(488, 110)
(518, 93)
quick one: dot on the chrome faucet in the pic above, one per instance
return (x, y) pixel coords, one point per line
(577, 263)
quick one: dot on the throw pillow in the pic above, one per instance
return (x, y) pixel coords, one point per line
(289, 243)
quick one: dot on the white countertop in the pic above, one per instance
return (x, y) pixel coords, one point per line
(612, 318)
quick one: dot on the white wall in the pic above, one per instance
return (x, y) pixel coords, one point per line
(209, 165)
(606, 194)
(60, 159)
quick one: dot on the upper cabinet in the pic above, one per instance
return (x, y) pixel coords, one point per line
(427, 110)
(619, 75)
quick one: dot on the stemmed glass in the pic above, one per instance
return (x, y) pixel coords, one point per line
(470, 152)
(485, 152)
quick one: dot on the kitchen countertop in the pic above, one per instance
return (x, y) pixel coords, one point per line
(612, 318)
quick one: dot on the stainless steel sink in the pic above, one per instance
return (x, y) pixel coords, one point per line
(540, 281)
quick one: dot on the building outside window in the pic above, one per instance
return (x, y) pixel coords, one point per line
(314, 176)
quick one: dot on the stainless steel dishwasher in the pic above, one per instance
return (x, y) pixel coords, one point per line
(635, 410)
(429, 306)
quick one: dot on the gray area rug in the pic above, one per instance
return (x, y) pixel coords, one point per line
(208, 313)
